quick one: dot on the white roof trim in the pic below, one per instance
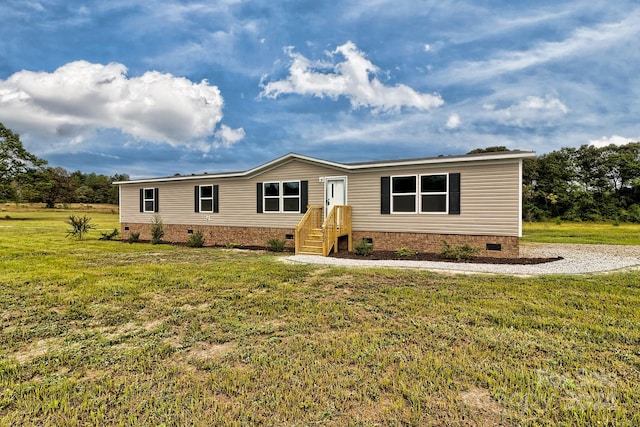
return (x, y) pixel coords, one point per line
(341, 166)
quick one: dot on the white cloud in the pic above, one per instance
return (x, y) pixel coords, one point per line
(532, 111)
(614, 139)
(227, 137)
(353, 78)
(583, 42)
(453, 121)
(80, 97)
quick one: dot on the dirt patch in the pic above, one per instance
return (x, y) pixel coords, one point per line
(204, 351)
(482, 406)
(36, 349)
(423, 256)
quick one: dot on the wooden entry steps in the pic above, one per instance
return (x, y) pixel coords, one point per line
(317, 237)
(312, 245)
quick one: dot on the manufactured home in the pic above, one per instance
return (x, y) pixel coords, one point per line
(320, 206)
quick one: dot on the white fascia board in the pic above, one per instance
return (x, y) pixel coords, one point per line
(441, 160)
(340, 166)
(251, 172)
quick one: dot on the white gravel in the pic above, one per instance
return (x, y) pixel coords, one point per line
(577, 259)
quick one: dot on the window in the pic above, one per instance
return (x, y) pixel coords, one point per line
(291, 196)
(403, 194)
(206, 198)
(281, 197)
(437, 193)
(271, 197)
(433, 193)
(149, 200)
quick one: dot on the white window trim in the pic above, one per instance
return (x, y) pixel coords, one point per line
(265, 197)
(291, 197)
(415, 195)
(205, 198)
(281, 197)
(434, 193)
(145, 200)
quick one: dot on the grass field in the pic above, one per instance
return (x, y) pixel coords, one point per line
(109, 333)
(582, 232)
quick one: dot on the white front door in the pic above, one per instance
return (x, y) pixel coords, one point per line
(335, 192)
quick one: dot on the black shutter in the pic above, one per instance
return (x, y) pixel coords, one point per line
(156, 199)
(142, 200)
(304, 196)
(454, 194)
(196, 197)
(259, 197)
(215, 199)
(385, 195)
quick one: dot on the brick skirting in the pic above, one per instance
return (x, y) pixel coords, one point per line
(491, 246)
(214, 235)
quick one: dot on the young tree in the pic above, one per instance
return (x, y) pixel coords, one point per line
(15, 163)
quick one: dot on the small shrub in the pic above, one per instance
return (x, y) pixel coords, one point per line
(363, 248)
(79, 226)
(134, 237)
(232, 245)
(196, 240)
(404, 252)
(276, 245)
(157, 229)
(458, 253)
(109, 235)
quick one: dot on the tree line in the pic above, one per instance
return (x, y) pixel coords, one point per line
(587, 183)
(26, 178)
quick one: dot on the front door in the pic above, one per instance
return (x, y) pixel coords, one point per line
(336, 193)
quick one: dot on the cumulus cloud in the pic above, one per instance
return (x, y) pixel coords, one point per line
(353, 78)
(227, 136)
(614, 139)
(81, 97)
(532, 111)
(453, 121)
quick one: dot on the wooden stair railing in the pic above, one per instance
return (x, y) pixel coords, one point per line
(309, 231)
(313, 236)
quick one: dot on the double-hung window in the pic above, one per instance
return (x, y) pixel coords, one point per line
(281, 196)
(428, 194)
(149, 200)
(271, 193)
(433, 193)
(291, 196)
(403, 194)
(206, 198)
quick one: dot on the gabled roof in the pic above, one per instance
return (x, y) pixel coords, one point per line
(347, 167)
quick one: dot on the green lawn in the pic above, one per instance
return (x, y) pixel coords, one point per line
(582, 232)
(109, 333)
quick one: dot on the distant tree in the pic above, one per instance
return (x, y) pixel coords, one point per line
(55, 186)
(114, 196)
(587, 183)
(494, 149)
(15, 164)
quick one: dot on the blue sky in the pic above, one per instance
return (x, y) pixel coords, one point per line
(151, 88)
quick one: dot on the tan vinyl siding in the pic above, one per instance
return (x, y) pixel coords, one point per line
(237, 198)
(489, 199)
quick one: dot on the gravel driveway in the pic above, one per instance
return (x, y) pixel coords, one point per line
(577, 259)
